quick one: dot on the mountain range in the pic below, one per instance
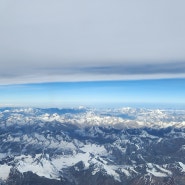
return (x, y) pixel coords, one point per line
(87, 146)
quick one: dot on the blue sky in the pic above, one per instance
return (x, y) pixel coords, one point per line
(102, 93)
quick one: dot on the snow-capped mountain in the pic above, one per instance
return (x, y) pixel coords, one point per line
(85, 146)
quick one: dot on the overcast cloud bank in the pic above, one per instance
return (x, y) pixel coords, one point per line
(64, 40)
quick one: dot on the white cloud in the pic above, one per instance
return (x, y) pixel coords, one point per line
(38, 37)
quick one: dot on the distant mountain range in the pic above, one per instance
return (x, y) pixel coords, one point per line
(84, 146)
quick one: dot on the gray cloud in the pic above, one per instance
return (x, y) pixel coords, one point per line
(139, 69)
(126, 70)
(91, 40)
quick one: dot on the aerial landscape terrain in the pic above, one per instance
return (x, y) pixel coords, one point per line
(92, 92)
(115, 146)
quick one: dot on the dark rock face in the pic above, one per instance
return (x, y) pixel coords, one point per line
(83, 178)
(29, 178)
(54, 152)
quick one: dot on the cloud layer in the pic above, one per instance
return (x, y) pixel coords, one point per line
(91, 40)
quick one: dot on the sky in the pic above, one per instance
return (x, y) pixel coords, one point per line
(89, 43)
(168, 93)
